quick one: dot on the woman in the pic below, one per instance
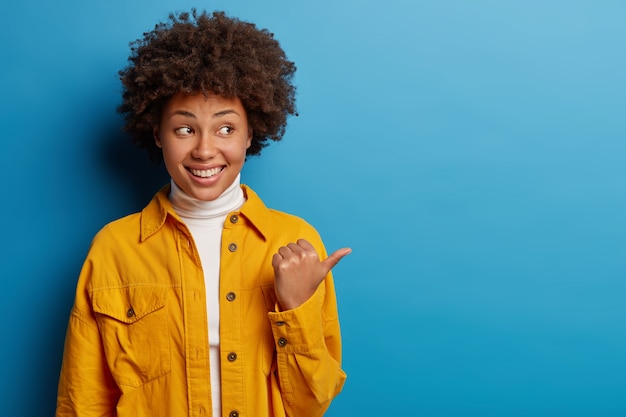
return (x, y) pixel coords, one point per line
(206, 302)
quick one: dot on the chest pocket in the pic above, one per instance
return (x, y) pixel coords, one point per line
(133, 323)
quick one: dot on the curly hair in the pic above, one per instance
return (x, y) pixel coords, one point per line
(195, 53)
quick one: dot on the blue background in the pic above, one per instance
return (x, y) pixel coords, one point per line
(471, 153)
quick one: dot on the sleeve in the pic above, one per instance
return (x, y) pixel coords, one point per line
(308, 358)
(86, 387)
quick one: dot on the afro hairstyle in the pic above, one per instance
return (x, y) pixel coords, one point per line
(195, 53)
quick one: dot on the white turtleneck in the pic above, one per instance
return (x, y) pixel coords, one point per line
(205, 221)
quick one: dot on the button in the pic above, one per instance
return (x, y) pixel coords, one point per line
(232, 357)
(234, 218)
(280, 323)
(231, 296)
(282, 342)
(234, 413)
(232, 247)
(130, 313)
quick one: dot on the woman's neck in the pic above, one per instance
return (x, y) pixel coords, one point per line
(189, 207)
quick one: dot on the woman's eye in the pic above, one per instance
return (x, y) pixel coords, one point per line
(185, 130)
(225, 130)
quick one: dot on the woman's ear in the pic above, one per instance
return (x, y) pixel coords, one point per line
(157, 139)
(250, 135)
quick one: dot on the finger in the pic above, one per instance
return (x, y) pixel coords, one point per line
(295, 248)
(330, 262)
(276, 259)
(304, 244)
(284, 251)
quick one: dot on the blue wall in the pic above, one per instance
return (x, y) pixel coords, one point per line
(471, 152)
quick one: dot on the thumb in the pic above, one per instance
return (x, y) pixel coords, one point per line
(330, 262)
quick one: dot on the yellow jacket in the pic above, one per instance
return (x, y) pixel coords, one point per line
(137, 341)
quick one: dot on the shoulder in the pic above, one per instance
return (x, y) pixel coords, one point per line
(276, 224)
(123, 229)
(135, 227)
(290, 221)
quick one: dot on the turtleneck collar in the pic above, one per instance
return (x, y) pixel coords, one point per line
(188, 207)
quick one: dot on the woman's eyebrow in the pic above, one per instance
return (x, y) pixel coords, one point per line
(193, 116)
(224, 113)
(182, 113)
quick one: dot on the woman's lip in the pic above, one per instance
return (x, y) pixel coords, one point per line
(205, 172)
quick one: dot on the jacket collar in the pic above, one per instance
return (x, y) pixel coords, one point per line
(255, 211)
(155, 214)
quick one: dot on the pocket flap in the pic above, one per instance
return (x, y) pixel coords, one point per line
(128, 304)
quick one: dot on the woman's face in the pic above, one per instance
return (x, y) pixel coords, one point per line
(204, 141)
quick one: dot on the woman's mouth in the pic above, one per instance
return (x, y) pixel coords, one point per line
(206, 173)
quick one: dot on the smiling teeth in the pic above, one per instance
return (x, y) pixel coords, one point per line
(205, 173)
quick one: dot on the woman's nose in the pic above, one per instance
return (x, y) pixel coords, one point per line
(205, 148)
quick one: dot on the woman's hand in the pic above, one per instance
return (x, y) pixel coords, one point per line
(298, 272)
